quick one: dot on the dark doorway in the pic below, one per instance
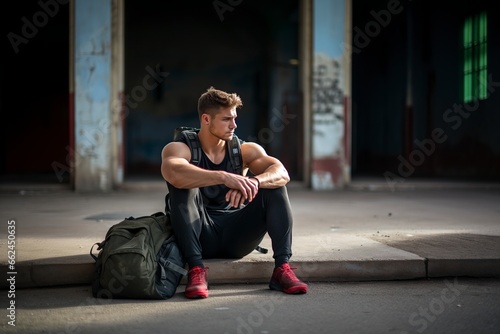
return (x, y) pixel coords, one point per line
(34, 98)
(250, 49)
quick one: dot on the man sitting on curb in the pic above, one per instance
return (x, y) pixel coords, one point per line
(217, 213)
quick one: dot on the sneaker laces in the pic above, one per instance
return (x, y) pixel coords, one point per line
(288, 274)
(197, 275)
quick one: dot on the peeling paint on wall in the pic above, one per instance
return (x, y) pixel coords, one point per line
(92, 75)
(328, 106)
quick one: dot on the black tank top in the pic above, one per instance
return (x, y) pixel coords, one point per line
(214, 197)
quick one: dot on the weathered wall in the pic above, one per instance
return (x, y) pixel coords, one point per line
(330, 167)
(92, 95)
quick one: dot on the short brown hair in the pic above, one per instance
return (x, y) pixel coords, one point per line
(213, 99)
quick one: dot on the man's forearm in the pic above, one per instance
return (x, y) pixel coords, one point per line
(187, 176)
(273, 177)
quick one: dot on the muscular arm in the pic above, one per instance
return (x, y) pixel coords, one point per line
(176, 169)
(268, 170)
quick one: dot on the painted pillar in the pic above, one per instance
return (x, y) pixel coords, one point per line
(330, 110)
(96, 129)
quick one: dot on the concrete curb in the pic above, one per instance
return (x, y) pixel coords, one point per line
(224, 271)
(80, 271)
(463, 267)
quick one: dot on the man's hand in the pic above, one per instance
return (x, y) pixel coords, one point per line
(242, 189)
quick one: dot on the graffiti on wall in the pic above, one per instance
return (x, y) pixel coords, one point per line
(328, 116)
(328, 107)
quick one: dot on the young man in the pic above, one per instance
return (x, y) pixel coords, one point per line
(217, 213)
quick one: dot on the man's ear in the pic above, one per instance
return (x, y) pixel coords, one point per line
(205, 118)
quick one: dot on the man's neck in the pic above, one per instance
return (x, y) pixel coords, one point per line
(210, 144)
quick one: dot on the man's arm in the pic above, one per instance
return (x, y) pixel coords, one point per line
(268, 170)
(176, 169)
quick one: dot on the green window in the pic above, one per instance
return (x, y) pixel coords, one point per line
(475, 58)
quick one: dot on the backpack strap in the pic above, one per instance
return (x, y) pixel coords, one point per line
(234, 148)
(261, 250)
(194, 146)
(169, 264)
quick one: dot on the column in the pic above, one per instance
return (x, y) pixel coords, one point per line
(330, 106)
(97, 98)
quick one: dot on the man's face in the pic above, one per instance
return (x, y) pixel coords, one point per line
(224, 123)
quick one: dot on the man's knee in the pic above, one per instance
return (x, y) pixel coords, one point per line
(178, 195)
(276, 193)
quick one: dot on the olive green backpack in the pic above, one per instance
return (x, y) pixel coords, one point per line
(138, 259)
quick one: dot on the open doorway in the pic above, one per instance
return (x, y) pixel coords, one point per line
(250, 49)
(35, 93)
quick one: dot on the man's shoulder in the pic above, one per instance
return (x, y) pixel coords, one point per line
(251, 150)
(176, 149)
(250, 145)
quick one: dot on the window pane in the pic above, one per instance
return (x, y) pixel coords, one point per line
(475, 57)
(483, 84)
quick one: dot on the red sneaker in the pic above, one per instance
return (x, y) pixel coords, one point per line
(284, 279)
(197, 286)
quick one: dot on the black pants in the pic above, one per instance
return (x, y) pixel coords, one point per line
(203, 234)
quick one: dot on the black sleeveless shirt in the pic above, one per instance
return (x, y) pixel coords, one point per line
(214, 197)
